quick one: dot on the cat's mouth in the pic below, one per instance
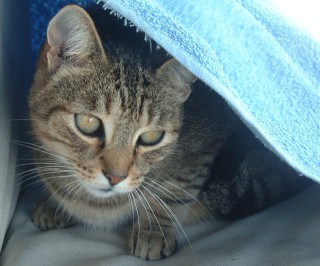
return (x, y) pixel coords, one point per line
(104, 190)
(101, 192)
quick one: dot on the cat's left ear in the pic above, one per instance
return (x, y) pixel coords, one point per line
(177, 76)
(71, 35)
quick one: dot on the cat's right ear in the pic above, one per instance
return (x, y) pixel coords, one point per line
(71, 35)
(178, 76)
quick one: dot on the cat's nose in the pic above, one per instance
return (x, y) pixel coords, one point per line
(113, 179)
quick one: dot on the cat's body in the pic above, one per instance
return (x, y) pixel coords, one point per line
(121, 138)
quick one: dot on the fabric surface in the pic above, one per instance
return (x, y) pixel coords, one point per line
(284, 235)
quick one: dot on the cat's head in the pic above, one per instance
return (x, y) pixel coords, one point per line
(106, 120)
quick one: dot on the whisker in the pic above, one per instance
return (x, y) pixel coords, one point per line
(43, 179)
(132, 207)
(37, 163)
(19, 119)
(165, 191)
(51, 160)
(155, 217)
(60, 202)
(166, 208)
(142, 201)
(40, 149)
(42, 170)
(29, 176)
(152, 194)
(146, 209)
(23, 180)
(133, 201)
(193, 197)
(29, 144)
(66, 185)
(31, 164)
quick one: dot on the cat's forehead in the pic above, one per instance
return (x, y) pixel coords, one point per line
(125, 87)
(119, 90)
(102, 80)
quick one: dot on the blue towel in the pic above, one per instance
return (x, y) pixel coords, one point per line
(264, 66)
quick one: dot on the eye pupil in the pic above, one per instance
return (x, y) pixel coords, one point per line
(89, 125)
(151, 138)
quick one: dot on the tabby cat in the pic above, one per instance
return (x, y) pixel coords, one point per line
(123, 133)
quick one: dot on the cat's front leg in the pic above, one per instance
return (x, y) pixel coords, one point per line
(46, 218)
(152, 239)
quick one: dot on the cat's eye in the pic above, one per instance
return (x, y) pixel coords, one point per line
(88, 125)
(151, 138)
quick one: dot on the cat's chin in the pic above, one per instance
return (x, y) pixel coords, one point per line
(101, 193)
(107, 191)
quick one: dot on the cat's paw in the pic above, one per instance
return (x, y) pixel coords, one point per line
(152, 244)
(45, 218)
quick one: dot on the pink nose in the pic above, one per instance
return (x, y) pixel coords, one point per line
(114, 179)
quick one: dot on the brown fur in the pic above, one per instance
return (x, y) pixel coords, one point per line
(160, 182)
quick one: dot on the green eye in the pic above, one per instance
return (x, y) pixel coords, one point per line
(88, 125)
(151, 138)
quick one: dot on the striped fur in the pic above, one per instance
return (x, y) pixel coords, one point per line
(202, 160)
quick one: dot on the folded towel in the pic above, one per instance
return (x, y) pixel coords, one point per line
(265, 67)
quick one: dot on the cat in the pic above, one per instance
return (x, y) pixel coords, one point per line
(125, 133)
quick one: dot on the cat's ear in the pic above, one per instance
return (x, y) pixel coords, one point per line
(71, 35)
(178, 77)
